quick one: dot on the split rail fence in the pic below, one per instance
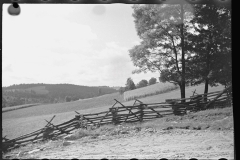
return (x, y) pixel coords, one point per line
(138, 112)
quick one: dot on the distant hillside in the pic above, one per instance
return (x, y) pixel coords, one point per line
(50, 93)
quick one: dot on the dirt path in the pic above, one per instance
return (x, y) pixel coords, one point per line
(176, 143)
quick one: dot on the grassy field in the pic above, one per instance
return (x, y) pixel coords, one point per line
(149, 91)
(18, 122)
(7, 109)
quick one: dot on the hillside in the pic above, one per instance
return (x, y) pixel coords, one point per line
(151, 90)
(50, 93)
(22, 121)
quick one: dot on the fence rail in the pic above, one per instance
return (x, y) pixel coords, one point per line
(138, 112)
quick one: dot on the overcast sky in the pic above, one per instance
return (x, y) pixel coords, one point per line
(62, 43)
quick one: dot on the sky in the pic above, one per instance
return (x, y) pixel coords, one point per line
(84, 44)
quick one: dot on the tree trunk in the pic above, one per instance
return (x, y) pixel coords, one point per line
(206, 90)
(183, 55)
(207, 68)
(182, 90)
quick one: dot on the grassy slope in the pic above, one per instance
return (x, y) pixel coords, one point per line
(149, 90)
(7, 109)
(22, 121)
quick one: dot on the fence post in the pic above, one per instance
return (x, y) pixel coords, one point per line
(198, 99)
(114, 115)
(77, 117)
(141, 107)
(81, 122)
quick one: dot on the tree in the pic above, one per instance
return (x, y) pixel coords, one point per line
(152, 81)
(4, 102)
(68, 99)
(99, 91)
(163, 30)
(121, 90)
(211, 46)
(130, 84)
(142, 83)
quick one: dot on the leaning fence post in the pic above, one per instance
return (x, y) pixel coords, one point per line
(43, 129)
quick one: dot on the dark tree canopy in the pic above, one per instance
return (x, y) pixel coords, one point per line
(130, 85)
(68, 99)
(142, 83)
(211, 46)
(152, 81)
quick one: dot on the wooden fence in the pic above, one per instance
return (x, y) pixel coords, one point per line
(138, 112)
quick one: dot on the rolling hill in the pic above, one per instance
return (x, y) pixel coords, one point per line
(50, 93)
(22, 121)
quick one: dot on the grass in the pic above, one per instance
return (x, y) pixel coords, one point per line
(22, 121)
(7, 109)
(212, 119)
(151, 90)
(50, 109)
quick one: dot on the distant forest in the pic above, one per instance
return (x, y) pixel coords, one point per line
(49, 93)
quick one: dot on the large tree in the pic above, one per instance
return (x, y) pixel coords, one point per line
(163, 30)
(211, 46)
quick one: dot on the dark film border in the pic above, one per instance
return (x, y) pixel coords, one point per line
(216, 2)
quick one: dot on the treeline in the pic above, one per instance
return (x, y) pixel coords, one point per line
(49, 93)
(130, 85)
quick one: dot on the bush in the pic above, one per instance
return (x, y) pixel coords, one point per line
(68, 99)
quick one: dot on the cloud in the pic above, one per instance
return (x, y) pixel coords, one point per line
(50, 47)
(8, 68)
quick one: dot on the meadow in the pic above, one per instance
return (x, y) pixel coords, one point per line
(22, 121)
(151, 90)
(7, 109)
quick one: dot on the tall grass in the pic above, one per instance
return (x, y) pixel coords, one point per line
(155, 89)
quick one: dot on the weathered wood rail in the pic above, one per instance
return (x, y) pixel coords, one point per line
(138, 112)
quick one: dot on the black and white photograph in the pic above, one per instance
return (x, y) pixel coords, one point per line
(117, 80)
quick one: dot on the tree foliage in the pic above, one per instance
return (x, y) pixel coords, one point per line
(130, 85)
(185, 48)
(68, 99)
(142, 83)
(121, 90)
(163, 30)
(211, 46)
(152, 81)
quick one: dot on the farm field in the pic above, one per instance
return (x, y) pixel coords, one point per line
(7, 109)
(18, 122)
(151, 90)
